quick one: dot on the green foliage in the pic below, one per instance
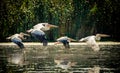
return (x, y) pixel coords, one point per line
(75, 18)
(94, 9)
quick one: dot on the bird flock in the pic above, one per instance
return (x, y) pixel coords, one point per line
(38, 32)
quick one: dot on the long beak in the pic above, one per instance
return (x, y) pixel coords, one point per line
(8, 38)
(72, 39)
(54, 26)
(56, 43)
(103, 35)
(24, 34)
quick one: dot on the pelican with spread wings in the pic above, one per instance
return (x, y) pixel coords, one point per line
(65, 40)
(91, 41)
(17, 39)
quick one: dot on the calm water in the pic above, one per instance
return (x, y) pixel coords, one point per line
(57, 59)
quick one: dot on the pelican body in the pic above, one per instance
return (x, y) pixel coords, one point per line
(17, 39)
(91, 41)
(39, 34)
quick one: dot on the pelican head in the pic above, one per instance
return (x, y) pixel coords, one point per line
(98, 36)
(47, 26)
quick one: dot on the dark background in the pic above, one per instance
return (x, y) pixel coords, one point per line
(75, 18)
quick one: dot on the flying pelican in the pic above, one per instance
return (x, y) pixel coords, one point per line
(17, 39)
(91, 41)
(44, 26)
(65, 40)
(38, 32)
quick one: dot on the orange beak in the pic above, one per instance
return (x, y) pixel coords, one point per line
(103, 35)
(24, 34)
(70, 39)
(52, 26)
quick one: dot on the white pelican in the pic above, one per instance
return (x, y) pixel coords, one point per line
(38, 32)
(17, 39)
(65, 40)
(91, 41)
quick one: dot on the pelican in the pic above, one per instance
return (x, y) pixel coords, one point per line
(39, 34)
(44, 26)
(38, 31)
(17, 39)
(65, 40)
(91, 41)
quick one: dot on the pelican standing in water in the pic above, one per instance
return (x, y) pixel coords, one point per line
(38, 32)
(91, 41)
(65, 40)
(17, 39)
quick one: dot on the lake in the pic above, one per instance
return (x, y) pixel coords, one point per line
(80, 58)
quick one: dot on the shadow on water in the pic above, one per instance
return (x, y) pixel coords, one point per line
(57, 59)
